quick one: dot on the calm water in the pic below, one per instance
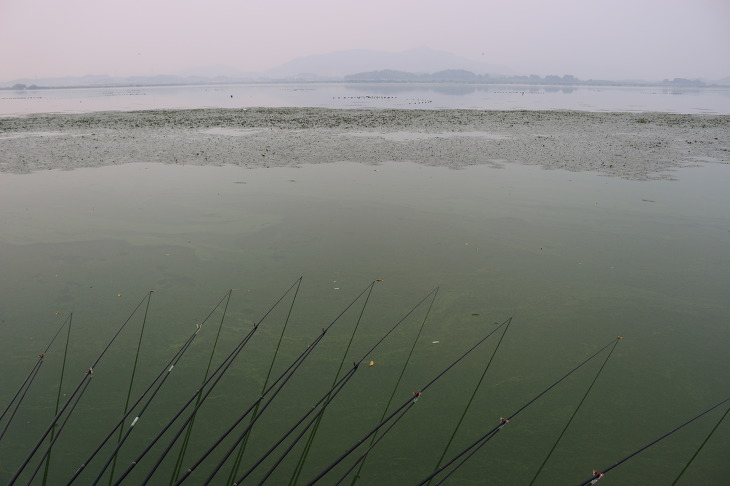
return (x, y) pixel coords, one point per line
(575, 258)
(334, 95)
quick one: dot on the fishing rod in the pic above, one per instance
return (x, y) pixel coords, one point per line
(575, 412)
(599, 474)
(197, 406)
(189, 431)
(414, 398)
(131, 379)
(313, 433)
(376, 439)
(390, 399)
(213, 378)
(331, 395)
(61, 426)
(167, 369)
(481, 441)
(87, 376)
(283, 378)
(242, 448)
(58, 398)
(152, 396)
(28, 381)
(327, 397)
(701, 446)
(53, 439)
(471, 399)
(31, 378)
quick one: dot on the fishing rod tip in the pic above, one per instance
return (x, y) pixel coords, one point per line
(619, 337)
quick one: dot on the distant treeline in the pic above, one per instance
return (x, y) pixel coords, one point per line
(463, 76)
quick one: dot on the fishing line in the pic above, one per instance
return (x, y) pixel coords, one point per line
(328, 397)
(284, 377)
(481, 441)
(76, 391)
(414, 398)
(214, 378)
(599, 474)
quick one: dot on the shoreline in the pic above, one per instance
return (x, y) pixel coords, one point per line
(634, 146)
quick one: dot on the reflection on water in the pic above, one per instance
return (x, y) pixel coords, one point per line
(375, 95)
(576, 259)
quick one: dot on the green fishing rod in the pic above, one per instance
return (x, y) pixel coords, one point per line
(375, 441)
(155, 384)
(414, 398)
(61, 426)
(242, 448)
(152, 396)
(481, 441)
(471, 399)
(331, 395)
(283, 378)
(375, 438)
(217, 374)
(191, 416)
(313, 433)
(132, 376)
(189, 431)
(28, 381)
(679, 476)
(58, 398)
(575, 412)
(598, 474)
(72, 395)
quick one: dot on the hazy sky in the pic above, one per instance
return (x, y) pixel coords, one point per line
(647, 39)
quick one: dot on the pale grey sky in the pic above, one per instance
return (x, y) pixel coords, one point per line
(608, 39)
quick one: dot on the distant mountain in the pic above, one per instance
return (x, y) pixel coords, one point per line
(214, 71)
(448, 75)
(335, 65)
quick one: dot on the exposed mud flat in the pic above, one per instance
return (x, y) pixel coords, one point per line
(636, 146)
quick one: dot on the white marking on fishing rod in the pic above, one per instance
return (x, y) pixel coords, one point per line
(134, 421)
(171, 367)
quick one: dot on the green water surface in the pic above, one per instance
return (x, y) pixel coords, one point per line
(575, 259)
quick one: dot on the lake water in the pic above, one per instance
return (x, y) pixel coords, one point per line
(575, 258)
(341, 95)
